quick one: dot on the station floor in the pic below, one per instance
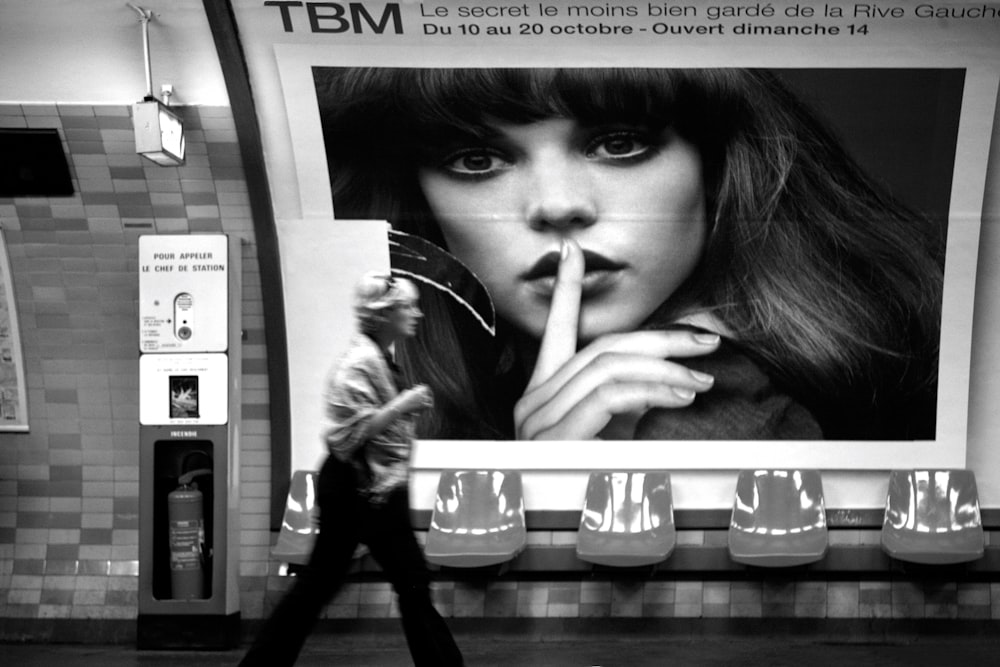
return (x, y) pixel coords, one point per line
(483, 650)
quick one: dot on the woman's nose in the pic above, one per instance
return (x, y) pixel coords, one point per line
(559, 196)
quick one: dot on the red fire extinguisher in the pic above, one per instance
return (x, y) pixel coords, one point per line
(186, 517)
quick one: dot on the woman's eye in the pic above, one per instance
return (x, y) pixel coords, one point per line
(474, 162)
(618, 146)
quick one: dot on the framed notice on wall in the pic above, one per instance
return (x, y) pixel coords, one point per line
(13, 397)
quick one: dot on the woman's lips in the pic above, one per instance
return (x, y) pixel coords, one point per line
(600, 274)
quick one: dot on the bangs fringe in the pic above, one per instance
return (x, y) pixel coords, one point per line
(468, 100)
(386, 115)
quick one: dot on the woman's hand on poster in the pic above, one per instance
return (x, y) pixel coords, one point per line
(415, 399)
(574, 395)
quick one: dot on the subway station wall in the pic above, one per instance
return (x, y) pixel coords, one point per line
(69, 487)
(69, 492)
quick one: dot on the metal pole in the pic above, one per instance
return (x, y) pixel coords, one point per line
(145, 16)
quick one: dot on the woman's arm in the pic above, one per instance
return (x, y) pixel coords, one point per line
(404, 404)
(354, 401)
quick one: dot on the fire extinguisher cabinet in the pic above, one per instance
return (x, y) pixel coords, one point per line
(189, 417)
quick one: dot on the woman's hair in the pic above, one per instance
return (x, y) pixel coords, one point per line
(817, 273)
(375, 293)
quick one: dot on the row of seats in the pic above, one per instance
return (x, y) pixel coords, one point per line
(778, 518)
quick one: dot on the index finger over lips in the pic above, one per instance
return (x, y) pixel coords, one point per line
(559, 339)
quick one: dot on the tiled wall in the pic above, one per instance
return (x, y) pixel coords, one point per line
(774, 598)
(778, 595)
(69, 488)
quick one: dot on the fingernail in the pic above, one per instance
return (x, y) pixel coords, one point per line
(686, 394)
(707, 338)
(702, 377)
(563, 249)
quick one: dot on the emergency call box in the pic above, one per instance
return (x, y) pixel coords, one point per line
(177, 389)
(190, 314)
(184, 286)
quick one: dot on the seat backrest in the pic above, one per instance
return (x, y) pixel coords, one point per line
(478, 501)
(778, 502)
(932, 501)
(478, 519)
(627, 502)
(300, 506)
(298, 524)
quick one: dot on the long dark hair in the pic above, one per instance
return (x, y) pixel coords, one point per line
(833, 287)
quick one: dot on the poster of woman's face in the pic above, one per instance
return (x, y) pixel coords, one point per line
(758, 254)
(730, 264)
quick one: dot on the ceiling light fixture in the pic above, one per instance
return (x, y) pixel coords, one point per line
(159, 131)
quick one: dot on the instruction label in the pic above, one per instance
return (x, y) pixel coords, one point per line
(183, 293)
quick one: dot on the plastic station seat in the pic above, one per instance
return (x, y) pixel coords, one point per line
(932, 517)
(627, 520)
(298, 524)
(779, 518)
(478, 519)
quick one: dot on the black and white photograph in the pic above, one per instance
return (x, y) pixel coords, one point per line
(740, 274)
(579, 333)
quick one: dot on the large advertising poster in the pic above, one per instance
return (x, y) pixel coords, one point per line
(763, 218)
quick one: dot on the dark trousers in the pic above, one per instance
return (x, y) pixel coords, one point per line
(346, 519)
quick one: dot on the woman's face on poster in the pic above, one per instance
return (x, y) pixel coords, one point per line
(631, 196)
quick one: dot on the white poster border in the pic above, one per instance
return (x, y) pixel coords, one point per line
(295, 64)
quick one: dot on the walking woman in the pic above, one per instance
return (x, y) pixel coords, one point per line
(363, 491)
